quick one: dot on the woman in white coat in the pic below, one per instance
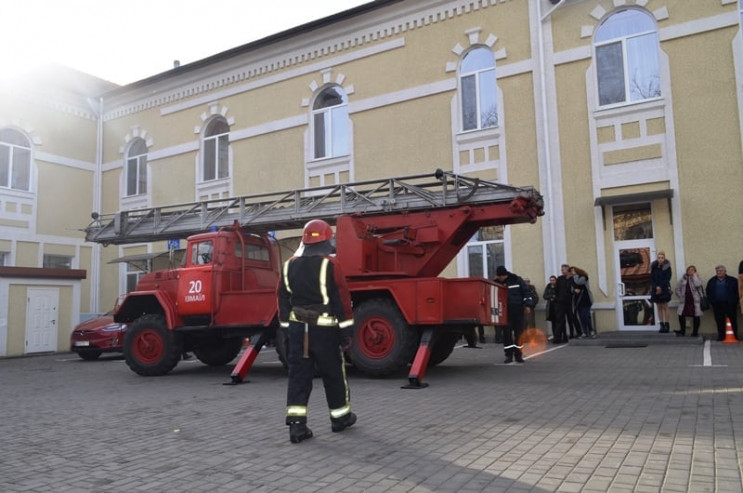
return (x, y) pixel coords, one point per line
(689, 292)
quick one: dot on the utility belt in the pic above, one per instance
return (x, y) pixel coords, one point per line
(313, 315)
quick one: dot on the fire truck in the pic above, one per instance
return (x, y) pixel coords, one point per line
(394, 237)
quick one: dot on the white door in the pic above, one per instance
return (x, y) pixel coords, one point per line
(42, 310)
(632, 266)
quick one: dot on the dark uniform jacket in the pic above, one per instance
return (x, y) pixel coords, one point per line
(317, 282)
(518, 292)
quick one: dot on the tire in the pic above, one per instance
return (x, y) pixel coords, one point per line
(150, 349)
(90, 355)
(443, 348)
(218, 352)
(383, 342)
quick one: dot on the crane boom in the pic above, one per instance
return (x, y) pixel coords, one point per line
(293, 208)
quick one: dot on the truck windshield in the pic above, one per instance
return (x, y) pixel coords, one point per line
(201, 253)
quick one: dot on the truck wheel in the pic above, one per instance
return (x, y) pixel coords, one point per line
(90, 355)
(443, 348)
(383, 342)
(218, 352)
(150, 349)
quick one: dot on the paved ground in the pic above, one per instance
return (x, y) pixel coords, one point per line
(574, 418)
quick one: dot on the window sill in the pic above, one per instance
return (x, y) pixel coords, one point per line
(478, 135)
(624, 108)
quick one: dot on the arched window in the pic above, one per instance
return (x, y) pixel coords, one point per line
(216, 150)
(478, 90)
(136, 168)
(330, 123)
(627, 65)
(15, 160)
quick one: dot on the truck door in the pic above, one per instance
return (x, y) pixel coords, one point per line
(195, 293)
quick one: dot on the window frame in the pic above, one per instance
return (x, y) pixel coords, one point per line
(626, 62)
(330, 127)
(53, 261)
(218, 144)
(478, 90)
(10, 149)
(139, 162)
(484, 250)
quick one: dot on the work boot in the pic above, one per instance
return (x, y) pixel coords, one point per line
(508, 360)
(341, 424)
(299, 432)
(519, 358)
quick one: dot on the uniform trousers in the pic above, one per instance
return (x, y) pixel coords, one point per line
(325, 357)
(722, 312)
(512, 332)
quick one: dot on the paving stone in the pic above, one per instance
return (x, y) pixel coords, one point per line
(578, 418)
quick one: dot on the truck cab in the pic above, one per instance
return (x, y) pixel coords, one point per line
(224, 291)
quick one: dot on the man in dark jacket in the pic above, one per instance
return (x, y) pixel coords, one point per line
(722, 292)
(564, 306)
(519, 301)
(315, 307)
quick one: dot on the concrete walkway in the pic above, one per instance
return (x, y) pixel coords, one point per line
(659, 418)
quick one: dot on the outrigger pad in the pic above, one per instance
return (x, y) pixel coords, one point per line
(415, 384)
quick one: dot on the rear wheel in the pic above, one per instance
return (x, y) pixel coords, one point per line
(90, 355)
(150, 349)
(443, 347)
(383, 342)
(218, 352)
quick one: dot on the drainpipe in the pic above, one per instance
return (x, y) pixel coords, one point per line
(95, 262)
(545, 130)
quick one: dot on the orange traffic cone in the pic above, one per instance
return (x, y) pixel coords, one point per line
(729, 335)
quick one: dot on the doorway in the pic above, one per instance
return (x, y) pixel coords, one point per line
(634, 309)
(634, 251)
(41, 319)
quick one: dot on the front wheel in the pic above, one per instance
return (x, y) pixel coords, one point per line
(150, 349)
(90, 355)
(383, 342)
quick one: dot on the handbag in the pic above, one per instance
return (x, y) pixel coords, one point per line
(704, 301)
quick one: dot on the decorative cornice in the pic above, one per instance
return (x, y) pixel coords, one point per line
(321, 49)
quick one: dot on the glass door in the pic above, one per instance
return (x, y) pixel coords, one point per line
(634, 251)
(634, 309)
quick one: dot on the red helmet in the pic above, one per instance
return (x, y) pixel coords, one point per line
(316, 231)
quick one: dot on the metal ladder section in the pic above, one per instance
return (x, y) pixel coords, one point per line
(292, 209)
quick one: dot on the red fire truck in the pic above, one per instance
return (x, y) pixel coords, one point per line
(394, 237)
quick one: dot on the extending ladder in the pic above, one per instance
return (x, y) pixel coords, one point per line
(291, 209)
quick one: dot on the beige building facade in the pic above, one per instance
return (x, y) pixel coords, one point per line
(625, 114)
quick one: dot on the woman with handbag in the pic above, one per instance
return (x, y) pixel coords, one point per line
(660, 289)
(690, 294)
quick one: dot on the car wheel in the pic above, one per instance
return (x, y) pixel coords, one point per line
(90, 355)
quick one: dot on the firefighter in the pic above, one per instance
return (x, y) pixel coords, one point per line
(519, 303)
(315, 307)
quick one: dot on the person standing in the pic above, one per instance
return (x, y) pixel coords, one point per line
(530, 320)
(689, 292)
(550, 296)
(519, 302)
(723, 295)
(660, 289)
(315, 307)
(582, 300)
(740, 284)
(564, 304)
